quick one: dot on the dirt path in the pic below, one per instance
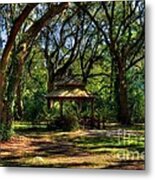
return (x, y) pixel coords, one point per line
(80, 149)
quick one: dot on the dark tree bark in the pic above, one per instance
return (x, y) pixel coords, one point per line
(5, 57)
(123, 109)
(18, 107)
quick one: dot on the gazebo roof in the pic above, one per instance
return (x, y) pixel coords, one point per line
(69, 90)
(69, 93)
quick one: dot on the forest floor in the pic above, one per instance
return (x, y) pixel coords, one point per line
(104, 149)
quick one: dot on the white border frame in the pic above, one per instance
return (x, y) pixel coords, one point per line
(70, 174)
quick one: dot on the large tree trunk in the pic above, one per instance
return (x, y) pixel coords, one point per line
(6, 54)
(18, 107)
(24, 50)
(123, 111)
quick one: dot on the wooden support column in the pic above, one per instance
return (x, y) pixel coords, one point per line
(92, 113)
(48, 103)
(92, 108)
(79, 104)
(61, 108)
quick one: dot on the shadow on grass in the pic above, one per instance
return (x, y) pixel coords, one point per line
(64, 165)
(10, 161)
(128, 164)
(30, 130)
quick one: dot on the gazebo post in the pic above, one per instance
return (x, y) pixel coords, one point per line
(61, 108)
(92, 108)
(92, 112)
(48, 103)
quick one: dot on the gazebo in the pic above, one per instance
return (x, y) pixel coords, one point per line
(70, 91)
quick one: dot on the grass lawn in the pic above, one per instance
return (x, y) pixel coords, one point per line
(105, 149)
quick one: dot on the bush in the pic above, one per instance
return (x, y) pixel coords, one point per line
(5, 132)
(34, 106)
(67, 123)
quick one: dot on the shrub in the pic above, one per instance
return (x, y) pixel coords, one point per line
(5, 132)
(67, 123)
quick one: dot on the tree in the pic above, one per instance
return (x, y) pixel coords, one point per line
(4, 61)
(22, 54)
(122, 28)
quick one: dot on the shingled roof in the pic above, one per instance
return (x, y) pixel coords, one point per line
(71, 89)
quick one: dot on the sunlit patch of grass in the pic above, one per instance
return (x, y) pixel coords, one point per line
(90, 161)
